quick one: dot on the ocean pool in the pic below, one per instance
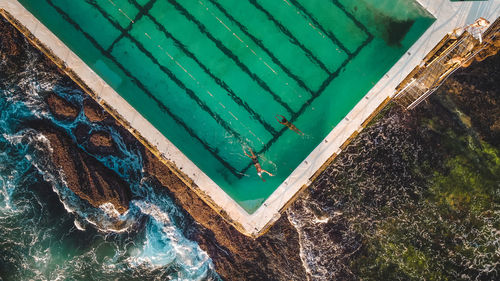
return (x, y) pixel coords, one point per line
(212, 75)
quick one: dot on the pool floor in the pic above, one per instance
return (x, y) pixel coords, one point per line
(213, 75)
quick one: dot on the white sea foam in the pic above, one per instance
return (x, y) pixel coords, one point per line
(147, 241)
(165, 245)
(78, 225)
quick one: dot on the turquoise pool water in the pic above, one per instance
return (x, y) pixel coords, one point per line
(211, 75)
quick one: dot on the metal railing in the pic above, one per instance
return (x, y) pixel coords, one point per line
(452, 54)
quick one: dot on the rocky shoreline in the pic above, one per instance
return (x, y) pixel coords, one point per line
(236, 257)
(317, 238)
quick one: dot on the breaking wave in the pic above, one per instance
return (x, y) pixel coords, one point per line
(49, 233)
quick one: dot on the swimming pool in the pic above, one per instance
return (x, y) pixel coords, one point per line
(212, 75)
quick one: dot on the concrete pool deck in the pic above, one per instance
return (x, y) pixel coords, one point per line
(448, 16)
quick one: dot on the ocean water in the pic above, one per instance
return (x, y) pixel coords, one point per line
(48, 233)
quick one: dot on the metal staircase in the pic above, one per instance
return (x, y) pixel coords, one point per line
(449, 55)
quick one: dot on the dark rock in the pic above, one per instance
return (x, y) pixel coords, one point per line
(61, 108)
(86, 176)
(475, 92)
(81, 133)
(274, 256)
(12, 49)
(93, 111)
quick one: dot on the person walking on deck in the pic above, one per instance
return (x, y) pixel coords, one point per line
(256, 163)
(283, 121)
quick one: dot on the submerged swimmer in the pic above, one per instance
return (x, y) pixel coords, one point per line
(287, 123)
(257, 164)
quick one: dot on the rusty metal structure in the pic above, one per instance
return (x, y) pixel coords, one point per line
(457, 49)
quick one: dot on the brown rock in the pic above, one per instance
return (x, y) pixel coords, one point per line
(93, 111)
(10, 41)
(11, 48)
(101, 139)
(274, 256)
(101, 142)
(61, 108)
(86, 176)
(96, 143)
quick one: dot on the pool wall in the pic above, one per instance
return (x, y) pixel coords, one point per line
(448, 16)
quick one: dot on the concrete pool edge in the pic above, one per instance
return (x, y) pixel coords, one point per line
(69, 63)
(447, 17)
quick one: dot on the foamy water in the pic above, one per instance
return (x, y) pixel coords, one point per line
(48, 233)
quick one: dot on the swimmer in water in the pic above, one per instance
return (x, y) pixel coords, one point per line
(257, 164)
(283, 121)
